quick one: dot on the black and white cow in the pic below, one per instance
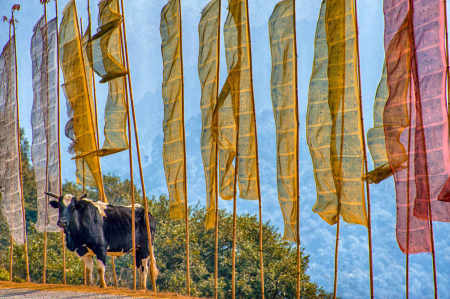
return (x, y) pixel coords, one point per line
(95, 228)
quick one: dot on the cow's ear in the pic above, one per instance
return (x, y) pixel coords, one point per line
(83, 196)
(54, 204)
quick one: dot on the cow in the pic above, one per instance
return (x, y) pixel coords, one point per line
(96, 228)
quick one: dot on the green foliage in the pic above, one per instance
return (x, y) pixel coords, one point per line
(279, 256)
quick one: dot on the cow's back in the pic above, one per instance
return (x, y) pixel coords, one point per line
(117, 228)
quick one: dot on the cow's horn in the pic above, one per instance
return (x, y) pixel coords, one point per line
(52, 195)
(83, 196)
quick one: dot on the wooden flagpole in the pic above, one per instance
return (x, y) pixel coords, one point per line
(59, 138)
(261, 258)
(369, 225)
(419, 115)
(44, 271)
(186, 210)
(297, 181)
(131, 104)
(216, 224)
(25, 244)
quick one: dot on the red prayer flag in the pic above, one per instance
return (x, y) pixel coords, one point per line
(415, 117)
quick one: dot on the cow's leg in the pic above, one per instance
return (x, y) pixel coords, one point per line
(101, 265)
(89, 263)
(144, 273)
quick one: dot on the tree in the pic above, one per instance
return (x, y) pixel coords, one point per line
(279, 256)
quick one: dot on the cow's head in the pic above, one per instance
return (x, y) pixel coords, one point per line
(67, 206)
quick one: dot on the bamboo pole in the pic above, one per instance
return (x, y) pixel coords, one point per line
(84, 190)
(186, 211)
(11, 240)
(407, 199)
(216, 223)
(418, 103)
(24, 223)
(261, 258)
(44, 271)
(11, 257)
(336, 253)
(236, 111)
(130, 157)
(369, 221)
(136, 137)
(113, 259)
(297, 187)
(79, 27)
(59, 138)
(94, 94)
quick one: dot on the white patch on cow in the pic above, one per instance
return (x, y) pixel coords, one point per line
(89, 263)
(136, 205)
(144, 273)
(67, 199)
(100, 205)
(101, 273)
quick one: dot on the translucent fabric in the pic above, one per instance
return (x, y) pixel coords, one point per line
(11, 204)
(375, 135)
(284, 101)
(208, 67)
(44, 121)
(415, 117)
(236, 108)
(173, 124)
(334, 118)
(104, 48)
(104, 54)
(78, 95)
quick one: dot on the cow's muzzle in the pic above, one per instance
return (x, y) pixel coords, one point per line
(62, 223)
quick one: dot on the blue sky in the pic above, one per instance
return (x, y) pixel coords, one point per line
(142, 21)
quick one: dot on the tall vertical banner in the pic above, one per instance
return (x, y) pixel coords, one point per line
(81, 128)
(44, 120)
(11, 205)
(375, 136)
(235, 107)
(172, 92)
(208, 66)
(284, 101)
(415, 117)
(104, 55)
(334, 132)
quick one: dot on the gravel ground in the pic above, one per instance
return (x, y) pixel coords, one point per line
(38, 294)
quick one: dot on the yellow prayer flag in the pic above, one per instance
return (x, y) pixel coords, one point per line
(375, 136)
(236, 98)
(105, 57)
(284, 101)
(334, 116)
(208, 66)
(77, 93)
(172, 92)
